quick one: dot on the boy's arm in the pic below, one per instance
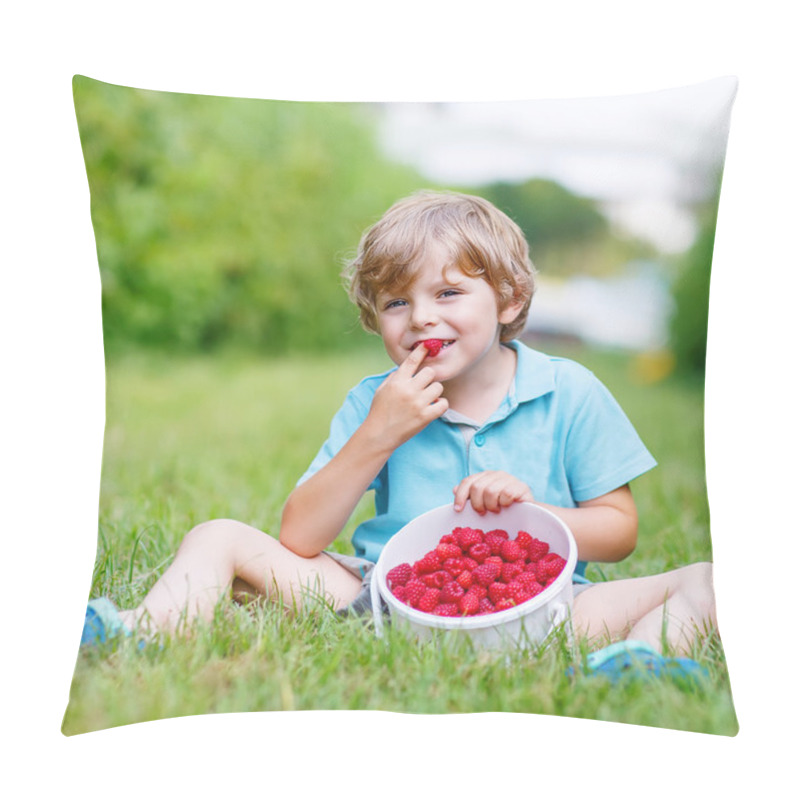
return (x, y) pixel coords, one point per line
(318, 509)
(605, 528)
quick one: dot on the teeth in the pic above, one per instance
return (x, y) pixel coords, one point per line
(445, 343)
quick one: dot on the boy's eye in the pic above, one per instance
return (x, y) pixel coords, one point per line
(393, 304)
(450, 293)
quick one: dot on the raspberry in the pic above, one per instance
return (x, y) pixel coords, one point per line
(401, 593)
(495, 539)
(554, 563)
(510, 571)
(455, 566)
(448, 538)
(469, 604)
(466, 537)
(524, 539)
(479, 591)
(497, 591)
(486, 606)
(519, 593)
(537, 548)
(430, 562)
(464, 579)
(480, 552)
(435, 580)
(433, 346)
(494, 542)
(399, 575)
(486, 573)
(470, 563)
(542, 572)
(505, 603)
(414, 590)
(446, 610)
(451, 592)
(535, 588)
(429, 600)
(511, 551)
(528, 580)
(446, 551)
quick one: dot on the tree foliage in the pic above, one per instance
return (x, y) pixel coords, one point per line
(690, 292)
(548, 213)
(226, 220)
(568, 234)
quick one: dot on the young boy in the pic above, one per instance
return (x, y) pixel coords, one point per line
(469, 414)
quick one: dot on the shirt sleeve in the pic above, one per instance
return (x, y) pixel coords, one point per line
(603, 449)
(345, 422)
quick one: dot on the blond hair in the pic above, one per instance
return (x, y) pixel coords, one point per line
(479, 239)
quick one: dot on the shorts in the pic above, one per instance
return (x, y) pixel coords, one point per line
(362, 568)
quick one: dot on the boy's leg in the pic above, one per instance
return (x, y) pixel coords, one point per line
(674, 606)
(222, 555)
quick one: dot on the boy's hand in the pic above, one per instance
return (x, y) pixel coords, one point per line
(491, 491)
(407, 400)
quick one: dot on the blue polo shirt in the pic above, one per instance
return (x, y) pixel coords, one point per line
(558, 430)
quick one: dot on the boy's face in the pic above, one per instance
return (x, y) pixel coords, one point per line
(446, 304)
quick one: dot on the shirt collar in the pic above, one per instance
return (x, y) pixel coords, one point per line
(535, 375)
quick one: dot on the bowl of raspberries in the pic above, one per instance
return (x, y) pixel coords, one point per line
(501, 578)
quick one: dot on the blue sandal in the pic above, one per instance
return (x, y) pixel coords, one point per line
(634, 659)
(102, 623)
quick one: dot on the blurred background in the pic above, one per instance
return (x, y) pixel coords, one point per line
(223, 223)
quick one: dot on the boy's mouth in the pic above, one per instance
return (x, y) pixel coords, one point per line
(433, 346)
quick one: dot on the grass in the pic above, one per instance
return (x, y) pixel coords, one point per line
(193, 439)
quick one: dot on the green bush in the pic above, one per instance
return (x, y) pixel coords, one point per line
(548, 213)
(689, 322)
(226, 220)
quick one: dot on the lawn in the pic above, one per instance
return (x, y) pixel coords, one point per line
(196, 438)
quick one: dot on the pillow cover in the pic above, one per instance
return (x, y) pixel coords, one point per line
(221, 226)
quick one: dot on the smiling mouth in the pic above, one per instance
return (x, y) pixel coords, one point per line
(433, 346)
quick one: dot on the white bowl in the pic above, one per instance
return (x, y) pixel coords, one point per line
(529, 622)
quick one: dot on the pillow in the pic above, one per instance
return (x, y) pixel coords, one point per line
(222, 225)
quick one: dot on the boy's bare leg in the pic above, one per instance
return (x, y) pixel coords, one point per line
(675, 606)
(221, 556)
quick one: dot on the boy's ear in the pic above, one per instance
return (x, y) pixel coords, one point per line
(510, 311)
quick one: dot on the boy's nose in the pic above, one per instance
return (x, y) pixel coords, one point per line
(423, 315)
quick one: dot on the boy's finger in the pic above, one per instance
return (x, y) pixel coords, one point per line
(492, 502)
(432, 391)
(461, 493)
(438, 407)
(414, 359)
(477, 500)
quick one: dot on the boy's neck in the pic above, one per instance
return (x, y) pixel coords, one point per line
(479, 393)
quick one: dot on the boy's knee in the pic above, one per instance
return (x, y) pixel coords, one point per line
(696, 586)
(698, 574)
(212, 531)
